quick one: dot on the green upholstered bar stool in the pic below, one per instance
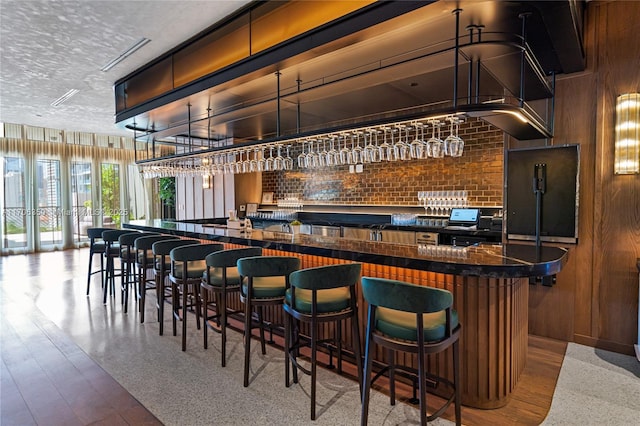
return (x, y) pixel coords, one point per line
(145, 263)
(266, 284)
(221, 278)
(128, 273)
(112, 252)
(96, 246)
(187, 267)
(416, 319)
(162, 264)
(316, 296)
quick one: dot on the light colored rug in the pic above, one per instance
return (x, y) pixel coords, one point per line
(596, 387)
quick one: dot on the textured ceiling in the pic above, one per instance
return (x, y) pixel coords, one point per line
(50, 47)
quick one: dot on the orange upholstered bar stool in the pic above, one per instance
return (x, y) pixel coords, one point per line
(405, 317)
(222, 278)
(316, 296)
(267, 281)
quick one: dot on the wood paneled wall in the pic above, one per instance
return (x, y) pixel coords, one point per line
(595, 300)
(195, 202)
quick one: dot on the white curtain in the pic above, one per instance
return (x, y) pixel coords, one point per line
(33, 150)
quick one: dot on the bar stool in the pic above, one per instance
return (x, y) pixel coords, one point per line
(144, 260)
(112, 252)
(162, 263)
(96, 246)
(187, 267)
(267, 282)
(221, 278)
(128, 273)
(415, 319)
(321, 295)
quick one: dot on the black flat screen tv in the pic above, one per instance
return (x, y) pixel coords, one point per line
(559, 206)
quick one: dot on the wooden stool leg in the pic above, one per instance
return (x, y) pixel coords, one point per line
(263, 345)
(160, 285)
(422, 387)
(247, 340)
(89, 274)
(185, 291)
(124, 284)
(368, 364)
(314, 348)
(205, 314)
(287, 347)
(456, 382)
(338, 326)
(105, 285)
(142, 289)
(392, 376)
(222, 303)
(175, 302)
(197, 302)
(295, 333)
(355, 333)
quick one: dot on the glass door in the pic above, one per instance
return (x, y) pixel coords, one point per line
(14, 209)
(49, 210)
(81, 200)
(110, 194)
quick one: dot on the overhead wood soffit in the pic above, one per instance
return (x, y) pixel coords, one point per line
(415, 80)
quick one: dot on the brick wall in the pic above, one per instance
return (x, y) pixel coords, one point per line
(479, 171)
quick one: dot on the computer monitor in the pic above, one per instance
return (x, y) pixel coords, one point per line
(464, 217)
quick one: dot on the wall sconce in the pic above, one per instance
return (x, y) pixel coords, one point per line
(206, 181)
(627, 143)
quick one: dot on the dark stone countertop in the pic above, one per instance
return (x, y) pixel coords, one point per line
(486, 260)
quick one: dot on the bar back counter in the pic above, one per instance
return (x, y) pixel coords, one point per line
(490, 286)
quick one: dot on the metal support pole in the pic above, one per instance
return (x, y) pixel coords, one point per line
(278, 104)
(539, 188)
(552, 121)
(209, 127)
(523, 16)
(153, 142)
(298, 109)
(470, 28)
(135, 144)
(189, 118)
(455, 63)
(479, 27)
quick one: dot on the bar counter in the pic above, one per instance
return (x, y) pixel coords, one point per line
(490, 285)
(495, 261)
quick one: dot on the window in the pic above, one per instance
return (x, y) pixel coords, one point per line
(81, 200)
(136, 193)
(110, 194)
(14, 211)
(49, 210)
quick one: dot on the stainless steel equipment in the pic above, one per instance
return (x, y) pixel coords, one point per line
(327, 231)
(274, 227)
(398, 237)
(427, 238)
(358, 233)
(389, 236)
